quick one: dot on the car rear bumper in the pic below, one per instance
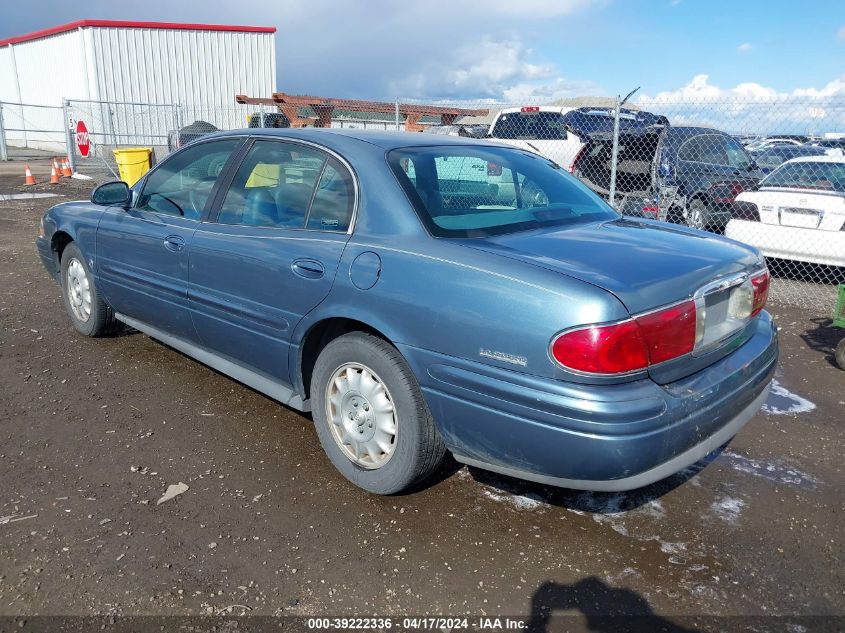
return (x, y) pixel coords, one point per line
(48, 258)
(787, 242)
(612, 437)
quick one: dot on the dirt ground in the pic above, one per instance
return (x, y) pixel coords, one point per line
(92, 432)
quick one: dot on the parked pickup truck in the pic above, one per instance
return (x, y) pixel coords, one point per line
(559, 132)
(683, 174)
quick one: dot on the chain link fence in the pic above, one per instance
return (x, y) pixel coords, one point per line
(769, 172)
(30, 131)
(766, 172)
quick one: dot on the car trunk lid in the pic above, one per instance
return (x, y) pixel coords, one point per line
(646, 265)
(800, 208)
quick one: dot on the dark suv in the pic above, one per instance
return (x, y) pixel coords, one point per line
(680, 174)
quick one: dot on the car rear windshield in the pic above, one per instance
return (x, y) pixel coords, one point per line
(530, 126)
(468, 191)
(808, 175)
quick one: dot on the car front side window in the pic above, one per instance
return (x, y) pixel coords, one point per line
(182, 185)
(737, 156)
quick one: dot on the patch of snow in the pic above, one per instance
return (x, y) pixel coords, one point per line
(776, 471)
(26, 196)
(520, 502)
(781, 401)
(728, 509)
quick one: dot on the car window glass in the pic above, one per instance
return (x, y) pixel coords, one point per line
(472, 182)
(530, 125)
(704, 148)
(273, 186)
(331, 209)
(826, 176)
(467, 191)
(181, 185)
(737, 157)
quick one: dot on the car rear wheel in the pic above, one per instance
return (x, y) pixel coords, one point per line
(698, 215)
(88, 312)
(370, 415)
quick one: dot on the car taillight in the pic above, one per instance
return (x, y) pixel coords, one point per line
(727, 193)
(629, 346)
(742, 210)
(529, 109)
(602, 349)
(650, 210)
(760, 283)
(493, 169)
(577, 158)
(670, 332)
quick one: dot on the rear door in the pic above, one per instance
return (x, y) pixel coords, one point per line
(270, 252)
(710, 157)
(142, 253)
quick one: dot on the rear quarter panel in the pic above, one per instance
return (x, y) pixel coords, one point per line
(436, 296)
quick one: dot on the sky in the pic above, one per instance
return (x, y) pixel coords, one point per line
(516, 50)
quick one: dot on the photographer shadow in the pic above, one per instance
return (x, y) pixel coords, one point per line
(604, 609)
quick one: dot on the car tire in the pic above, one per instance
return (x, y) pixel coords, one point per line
(370, 415)
(839, 354)
(88, 311)
(698, 214)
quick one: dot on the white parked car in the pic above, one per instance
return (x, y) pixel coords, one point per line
(797, 212)
(538, 129)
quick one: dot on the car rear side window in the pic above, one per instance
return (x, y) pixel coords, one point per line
(531, 125)
(474, 191)
(182, 185)
(825, 176)
(331, 208)
(704, 148)
(274, 186)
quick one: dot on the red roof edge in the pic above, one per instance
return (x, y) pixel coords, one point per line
(128, 24)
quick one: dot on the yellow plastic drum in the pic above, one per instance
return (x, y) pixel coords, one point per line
(132, 163)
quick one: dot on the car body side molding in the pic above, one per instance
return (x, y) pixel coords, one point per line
(661, 471)
(270, 387)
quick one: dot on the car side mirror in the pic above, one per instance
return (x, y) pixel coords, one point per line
(112, 194)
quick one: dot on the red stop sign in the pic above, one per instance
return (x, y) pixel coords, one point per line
(82, 141)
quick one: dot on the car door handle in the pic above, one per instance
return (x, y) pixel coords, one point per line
(308, 268)
(174, 243)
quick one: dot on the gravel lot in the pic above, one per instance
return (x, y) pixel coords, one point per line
(92, 432)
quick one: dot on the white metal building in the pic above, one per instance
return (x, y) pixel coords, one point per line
(198, 67)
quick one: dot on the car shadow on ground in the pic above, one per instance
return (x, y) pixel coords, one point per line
(604, 608)
(593, 502)
(823, 338)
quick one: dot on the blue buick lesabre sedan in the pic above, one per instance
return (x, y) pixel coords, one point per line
(424, 294)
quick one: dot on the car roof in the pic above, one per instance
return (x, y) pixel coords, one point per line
(819, 159)
(542, 108)
(337, 138)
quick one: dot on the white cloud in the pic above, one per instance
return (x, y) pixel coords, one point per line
(489, 69)
(476, 49)
(752, 107)
(744, 47)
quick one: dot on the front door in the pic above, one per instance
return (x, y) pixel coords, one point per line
(143, 253)
(270, 253)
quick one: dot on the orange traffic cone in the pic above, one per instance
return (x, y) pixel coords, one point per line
(28, 177)
(54, 175)
(66, 172)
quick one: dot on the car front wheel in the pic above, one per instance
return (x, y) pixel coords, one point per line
(88, 312)
(370, 415)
